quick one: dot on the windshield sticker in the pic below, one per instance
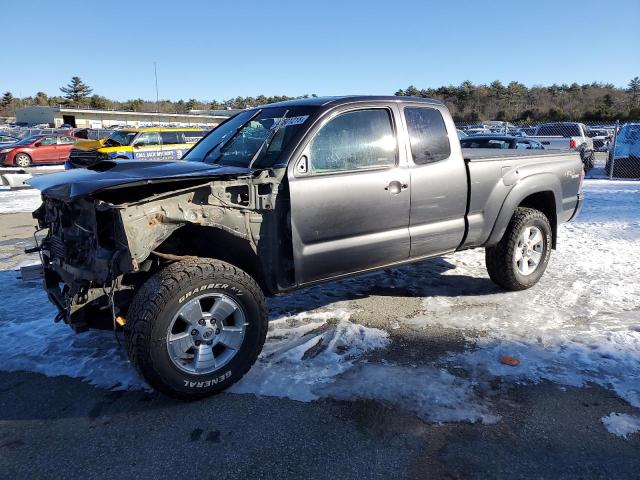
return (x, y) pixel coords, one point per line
(292, 121)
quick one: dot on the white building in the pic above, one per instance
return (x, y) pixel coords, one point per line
(89, 118)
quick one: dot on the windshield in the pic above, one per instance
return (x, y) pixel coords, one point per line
(120, 139)
(260, 133)
(28, 140)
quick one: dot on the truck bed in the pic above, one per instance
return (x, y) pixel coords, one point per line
(493, 173)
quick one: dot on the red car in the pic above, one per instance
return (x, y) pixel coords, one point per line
(36, 149)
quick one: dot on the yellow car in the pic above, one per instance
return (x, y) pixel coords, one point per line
(135, 144)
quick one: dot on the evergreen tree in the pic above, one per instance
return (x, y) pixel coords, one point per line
(7, 99)
(76, 91)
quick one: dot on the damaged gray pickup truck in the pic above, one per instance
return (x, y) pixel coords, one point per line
(182, 254)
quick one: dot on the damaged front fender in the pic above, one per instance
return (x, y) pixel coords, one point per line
(234, 206)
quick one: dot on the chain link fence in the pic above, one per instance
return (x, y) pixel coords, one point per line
(608, 149)
(24, 132)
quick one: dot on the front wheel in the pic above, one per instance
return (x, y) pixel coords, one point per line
(22, 160)
(196, 327)
(520, 258)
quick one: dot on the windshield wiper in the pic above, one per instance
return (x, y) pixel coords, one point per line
(268, 140)
(225, 140)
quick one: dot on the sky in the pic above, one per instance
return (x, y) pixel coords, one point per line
(222, 49)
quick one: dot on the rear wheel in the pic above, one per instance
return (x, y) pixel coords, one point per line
(22, 160)
(520, 258)
(196, 327)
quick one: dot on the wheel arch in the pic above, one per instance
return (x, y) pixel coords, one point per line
(215, 243)
(542, 192)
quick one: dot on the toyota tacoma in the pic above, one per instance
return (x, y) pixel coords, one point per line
(181, 255)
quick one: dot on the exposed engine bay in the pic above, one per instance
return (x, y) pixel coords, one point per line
(99, 248)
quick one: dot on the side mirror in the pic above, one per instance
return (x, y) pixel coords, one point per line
(137, 145)
(37, 144)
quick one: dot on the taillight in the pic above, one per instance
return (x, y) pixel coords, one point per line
(572, 143)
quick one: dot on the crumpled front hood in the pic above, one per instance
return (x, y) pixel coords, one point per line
(113, 173)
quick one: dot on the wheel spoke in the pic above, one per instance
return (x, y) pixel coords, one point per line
(535, 257)
(518, 255)
(180, 343)
(221, 309)
(192, 312)
(232, 337)
(523, 265)
(536, 238)
(526, 234)
(203, 358)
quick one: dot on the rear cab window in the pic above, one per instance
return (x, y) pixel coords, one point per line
(427, 135)
(170, 138)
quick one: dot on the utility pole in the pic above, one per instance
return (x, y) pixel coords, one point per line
(155, 71)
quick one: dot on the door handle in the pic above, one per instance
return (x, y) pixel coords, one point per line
(395, 187)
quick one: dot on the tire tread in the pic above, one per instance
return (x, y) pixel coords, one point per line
(497, 258)
(154, 295)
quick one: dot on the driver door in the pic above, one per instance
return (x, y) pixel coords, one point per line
(349, 197)
(46, 150)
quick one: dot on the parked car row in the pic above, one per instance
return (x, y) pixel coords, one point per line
(500, 141)
(70, 146)
(571, 136)
(81, 151)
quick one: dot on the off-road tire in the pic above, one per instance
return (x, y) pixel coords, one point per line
(156, 303)
(500, 259)
(26, 160)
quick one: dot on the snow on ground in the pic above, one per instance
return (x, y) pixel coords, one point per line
(307, 350)
(580, 325)
(23, 200)
(622, 424)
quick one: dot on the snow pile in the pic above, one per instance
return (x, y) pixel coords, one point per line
(621, 424)
(25, 200)
(306, 351)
